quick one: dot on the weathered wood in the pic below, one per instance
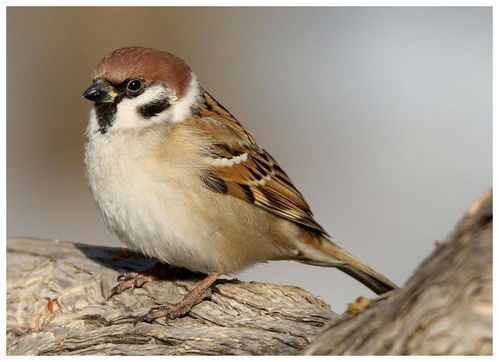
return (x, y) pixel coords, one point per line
(56, 305)
(445, 308)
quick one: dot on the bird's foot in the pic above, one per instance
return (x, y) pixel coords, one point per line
(132, 279)
(169, 312)
(194, 297)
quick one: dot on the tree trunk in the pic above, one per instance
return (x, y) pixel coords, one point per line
(56, 305)
(445, 308)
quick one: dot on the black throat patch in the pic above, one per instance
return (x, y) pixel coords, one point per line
(106, 113)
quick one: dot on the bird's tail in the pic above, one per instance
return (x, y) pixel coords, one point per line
(318, 250)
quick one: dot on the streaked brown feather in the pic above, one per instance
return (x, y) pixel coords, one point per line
(258, 179)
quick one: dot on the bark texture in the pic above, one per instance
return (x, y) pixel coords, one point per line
(445, 308)
(56, 305)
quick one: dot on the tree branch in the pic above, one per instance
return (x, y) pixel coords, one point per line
(445, 308)
(56, 305)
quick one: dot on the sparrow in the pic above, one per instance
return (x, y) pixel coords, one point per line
(177, 178)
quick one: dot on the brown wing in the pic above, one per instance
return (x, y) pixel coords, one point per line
(241, 168)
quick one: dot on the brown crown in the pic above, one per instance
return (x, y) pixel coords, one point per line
(146, 63)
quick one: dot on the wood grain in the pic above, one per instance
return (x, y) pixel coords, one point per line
(56, 305)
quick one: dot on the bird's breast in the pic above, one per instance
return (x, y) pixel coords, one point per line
(155, 202)
(142, 199)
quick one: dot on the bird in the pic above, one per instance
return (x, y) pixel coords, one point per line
(177, 177)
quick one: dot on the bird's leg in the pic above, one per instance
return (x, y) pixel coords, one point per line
(132, 279)
(190, 300)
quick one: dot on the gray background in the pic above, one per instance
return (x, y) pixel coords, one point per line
(381, 116)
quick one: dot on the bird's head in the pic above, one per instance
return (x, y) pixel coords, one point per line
(136, 87)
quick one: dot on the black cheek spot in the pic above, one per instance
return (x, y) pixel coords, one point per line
(154, 108)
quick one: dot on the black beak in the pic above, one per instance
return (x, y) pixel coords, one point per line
(101, 92)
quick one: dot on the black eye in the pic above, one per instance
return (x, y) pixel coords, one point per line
(134, 85)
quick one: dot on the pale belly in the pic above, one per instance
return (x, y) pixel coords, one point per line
(157, 222)
(164, 212)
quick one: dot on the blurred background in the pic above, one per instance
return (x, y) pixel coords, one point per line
(381, 116)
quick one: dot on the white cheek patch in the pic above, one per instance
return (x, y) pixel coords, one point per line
(182, 109)
(153, 93)
(127, 115)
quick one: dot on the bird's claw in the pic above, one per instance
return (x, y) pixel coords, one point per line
(129, 280)
(154, 313)
(115, 290)
(127, 276)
